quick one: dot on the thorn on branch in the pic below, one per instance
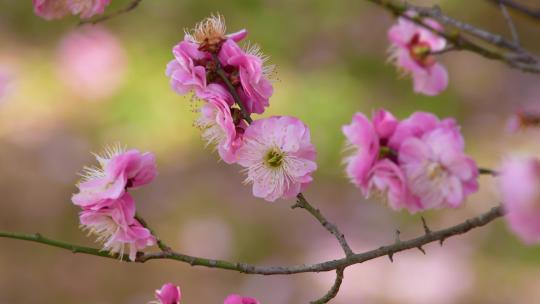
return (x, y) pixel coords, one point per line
(421, 249)
(441, 241)
(391, 257)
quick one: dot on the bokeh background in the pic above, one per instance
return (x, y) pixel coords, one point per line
(73, 90)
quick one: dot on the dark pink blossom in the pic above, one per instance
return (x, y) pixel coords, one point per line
(237, 299)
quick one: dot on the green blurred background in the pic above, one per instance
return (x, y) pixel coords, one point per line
(331, 62)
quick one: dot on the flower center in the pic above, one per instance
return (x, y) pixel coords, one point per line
(274, 158)
(434, 171)
(420, 51)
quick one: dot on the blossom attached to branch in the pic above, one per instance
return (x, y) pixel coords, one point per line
(415, 164)
(412, 51)
(278, 156)
(108, 210)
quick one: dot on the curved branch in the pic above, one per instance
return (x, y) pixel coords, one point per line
(332, 293)
(428, 237)
(301, 202)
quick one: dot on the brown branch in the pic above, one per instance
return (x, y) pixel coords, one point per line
(533, 13)
(434, 236)
(332, 293)
(129, 7)
(301, 202)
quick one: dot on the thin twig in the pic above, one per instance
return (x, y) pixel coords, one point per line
(129, 7)
(160, 243)
(533, 13)
(332, 293)
(511, 26)
(331, 265)
(301, 202)
(232, 90)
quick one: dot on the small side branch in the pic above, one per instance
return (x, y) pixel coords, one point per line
(301, 202)
(333, 290)
(533, 13)
(511, 26)
(160, 243)
(129, 7)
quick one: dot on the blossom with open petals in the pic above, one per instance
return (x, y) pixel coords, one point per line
(118, 169)
(412, 51)
(278, 156)
(438, 171)
(116, 227)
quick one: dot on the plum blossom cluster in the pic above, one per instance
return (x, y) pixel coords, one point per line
(412, 50)
(416, 164)
(170, 294)
(55, 9)
(108, 210)
(233, 83)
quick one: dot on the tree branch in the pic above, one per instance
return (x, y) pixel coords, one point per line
(301, 202)
(533, 13)
(433, 236)
(511, 26)
(160, 243)
(129, 7)
(333, 290)
(508, 52)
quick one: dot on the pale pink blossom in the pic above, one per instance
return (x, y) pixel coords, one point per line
(412, 51)
(116, 227)
(237, 299)
(249, 67)
(168, 294)
(437, 170)
(118, 170)
(278, 156)
(92, 62)
(520, 177)
(54, 9)
(218, 125)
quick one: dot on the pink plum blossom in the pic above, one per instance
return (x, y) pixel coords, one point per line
(412, 48)
(116, 227)
(168, 294)
(119, 169)
(188, 68)
(438, 172)
(218, 125)
(415, 164)
(252, 73)
(520, 177)
(278, 156)
(372, 165)
(237, 299)
(54, 9)
(92, 62)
